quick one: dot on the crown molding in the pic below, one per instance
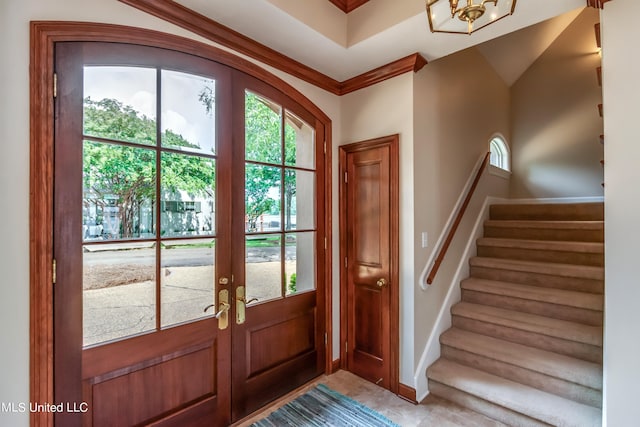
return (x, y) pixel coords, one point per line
(348, 5)
(598, 4)
(190, 20)
(413, 62)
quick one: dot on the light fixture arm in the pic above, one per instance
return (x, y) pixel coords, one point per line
(472, 13)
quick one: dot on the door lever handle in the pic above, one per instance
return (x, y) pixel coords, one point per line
(242, 299)
(224, 307)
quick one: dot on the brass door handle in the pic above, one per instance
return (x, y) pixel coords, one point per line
(382, 282)
(242, 299)
(224, 307)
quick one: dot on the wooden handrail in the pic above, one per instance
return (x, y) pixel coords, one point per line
(456, 223)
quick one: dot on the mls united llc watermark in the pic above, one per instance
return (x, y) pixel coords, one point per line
(21, 407)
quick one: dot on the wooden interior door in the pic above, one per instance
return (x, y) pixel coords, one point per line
(141, 240)
(369, 245)
(189, 238)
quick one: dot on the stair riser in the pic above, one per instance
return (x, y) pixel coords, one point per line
(557, 386)
(560, 257)
(537, 279)
(555, 311)
(482, 406)
(575, 349)
(549, 212)
(552, 234)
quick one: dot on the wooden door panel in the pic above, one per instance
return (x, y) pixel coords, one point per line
(272, 344)
(152, 392)
(276, 353)
(163, 378)
(201, 414)
(368, 251)
(368, 318)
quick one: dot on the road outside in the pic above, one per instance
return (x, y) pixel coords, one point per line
(120, 290)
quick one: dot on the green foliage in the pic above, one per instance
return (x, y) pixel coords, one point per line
(128, 174)
(263, 144)
(291, 286)
(111, 119)
(207, 97)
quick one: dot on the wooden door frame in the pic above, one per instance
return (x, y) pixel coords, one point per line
(392, 141)
(43, 36)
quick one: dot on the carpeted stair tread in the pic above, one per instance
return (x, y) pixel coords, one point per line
(556, 365)
(562, 329)
(535, 293)
(534, 403)
(582, 231)
(548, 211)
(543, 245)
(564, 270)
(562, 225)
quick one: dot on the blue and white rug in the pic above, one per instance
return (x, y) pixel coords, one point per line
(322, 406)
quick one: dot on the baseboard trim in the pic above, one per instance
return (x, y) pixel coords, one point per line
(407, 393)
(335, 366)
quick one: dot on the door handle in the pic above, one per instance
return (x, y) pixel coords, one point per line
(382, 282)
(247, 302)
(223, 309)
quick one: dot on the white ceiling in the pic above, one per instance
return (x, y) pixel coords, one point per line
(382, 31)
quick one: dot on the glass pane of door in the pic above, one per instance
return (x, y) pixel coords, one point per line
(263, 129)
(120, 103)
(188, 112)
(188, 274)
(148, 205)
(119, 291)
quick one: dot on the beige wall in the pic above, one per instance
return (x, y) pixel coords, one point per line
(555, 122)
(380, 110)
(455, 118)
(621, 68)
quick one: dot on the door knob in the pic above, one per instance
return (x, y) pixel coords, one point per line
(382, 282)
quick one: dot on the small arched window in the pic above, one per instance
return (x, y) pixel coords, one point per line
(499, 153)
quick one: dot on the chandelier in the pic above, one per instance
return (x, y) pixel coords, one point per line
(447, 16)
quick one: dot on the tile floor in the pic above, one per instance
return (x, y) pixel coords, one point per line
(433, 411)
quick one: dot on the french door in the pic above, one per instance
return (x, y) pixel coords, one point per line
(187, 239)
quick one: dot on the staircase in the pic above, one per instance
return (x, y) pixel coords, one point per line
(525, 346)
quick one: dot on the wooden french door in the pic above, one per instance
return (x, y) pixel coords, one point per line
(369, 285)
(278, 335)
(174, 303)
